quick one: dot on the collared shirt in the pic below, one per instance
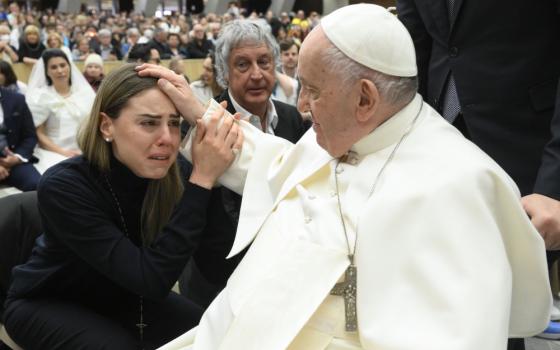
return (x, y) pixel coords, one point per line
(255, 120)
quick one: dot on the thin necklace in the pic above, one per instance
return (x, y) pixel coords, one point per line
(348, 288)
(141, 325)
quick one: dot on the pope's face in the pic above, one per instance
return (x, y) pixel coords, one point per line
(323, 95)
(146, 134)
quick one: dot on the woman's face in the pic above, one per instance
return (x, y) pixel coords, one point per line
(54, 43)
(146, 134)
(208, 71)
(58, 70)
(84, 46)
(32, 38)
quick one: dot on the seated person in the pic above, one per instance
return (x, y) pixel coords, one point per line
(120, 222)
(17, 140)
(60, 99)
(93, 70)
(207, 87)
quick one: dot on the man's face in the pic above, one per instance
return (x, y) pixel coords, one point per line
(290, 57)
(330, 103)
(162, 37)
(105, 40)
(251, 75)
(173, 41)
(198, 32)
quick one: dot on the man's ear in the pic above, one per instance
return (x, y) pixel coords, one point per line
(106, 127)
(369, 100)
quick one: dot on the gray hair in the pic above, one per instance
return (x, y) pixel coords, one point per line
(240, 33)
(395, 91)
(104, 32)
(132, 31)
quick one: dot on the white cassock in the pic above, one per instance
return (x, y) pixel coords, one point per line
(446, 257)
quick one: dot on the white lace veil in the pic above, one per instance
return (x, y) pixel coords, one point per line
(38, 81)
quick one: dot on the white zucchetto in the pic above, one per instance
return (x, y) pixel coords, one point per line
(372, 36)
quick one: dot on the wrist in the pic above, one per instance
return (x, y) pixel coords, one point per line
(202, 181)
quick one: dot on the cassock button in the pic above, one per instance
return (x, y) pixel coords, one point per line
(353, 161)
(339, 169)
(311, 197)
(307, 219)
(333, 194)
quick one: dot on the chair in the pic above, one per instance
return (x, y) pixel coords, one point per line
(20, 225)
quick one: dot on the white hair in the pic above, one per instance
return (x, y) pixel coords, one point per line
(395, 91)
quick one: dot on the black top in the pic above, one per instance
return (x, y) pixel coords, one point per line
(506, 70)
(31, 51)
(199, 49)
(84, 250)
(224, 209)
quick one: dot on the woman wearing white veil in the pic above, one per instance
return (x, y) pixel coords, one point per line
(60, 99)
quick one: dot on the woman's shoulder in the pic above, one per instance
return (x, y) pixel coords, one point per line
(73, 174)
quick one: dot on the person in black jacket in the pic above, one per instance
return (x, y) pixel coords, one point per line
(17, 141)
(246, 56)
(199, 46)
(492, 69)
(120, 222)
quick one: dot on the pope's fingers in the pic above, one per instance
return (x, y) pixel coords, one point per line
(170, 90)
(150, 70)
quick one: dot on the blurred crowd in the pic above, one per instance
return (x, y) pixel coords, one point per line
(25, 35)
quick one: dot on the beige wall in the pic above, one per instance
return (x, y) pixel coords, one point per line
(193, 68)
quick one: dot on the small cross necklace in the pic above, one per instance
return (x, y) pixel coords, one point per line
(348, 288)
(141, 325)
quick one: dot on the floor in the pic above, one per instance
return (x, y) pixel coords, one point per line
(541, 344)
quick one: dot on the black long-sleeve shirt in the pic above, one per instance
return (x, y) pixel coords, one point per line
(84, 248)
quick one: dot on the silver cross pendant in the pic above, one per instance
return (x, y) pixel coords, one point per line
(347, 290)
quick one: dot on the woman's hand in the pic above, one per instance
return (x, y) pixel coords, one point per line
(214, 148)
(176, 87)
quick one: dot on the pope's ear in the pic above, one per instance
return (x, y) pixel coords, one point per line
(369, 100)
(106, 126)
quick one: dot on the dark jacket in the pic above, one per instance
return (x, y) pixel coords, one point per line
(26, 50)
(211, 263)
(505, 58)
(85, 251)
(21, 134)
(201, 49)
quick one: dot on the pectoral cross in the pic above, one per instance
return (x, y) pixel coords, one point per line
(347, 290)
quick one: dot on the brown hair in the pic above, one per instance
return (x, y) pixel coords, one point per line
(113, 95)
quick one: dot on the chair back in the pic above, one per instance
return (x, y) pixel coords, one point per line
(20, 225)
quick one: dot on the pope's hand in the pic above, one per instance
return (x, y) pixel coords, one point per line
(177, 89)
(545, 215)
(214, 148)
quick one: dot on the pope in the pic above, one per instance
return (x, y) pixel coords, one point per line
(382, 228)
